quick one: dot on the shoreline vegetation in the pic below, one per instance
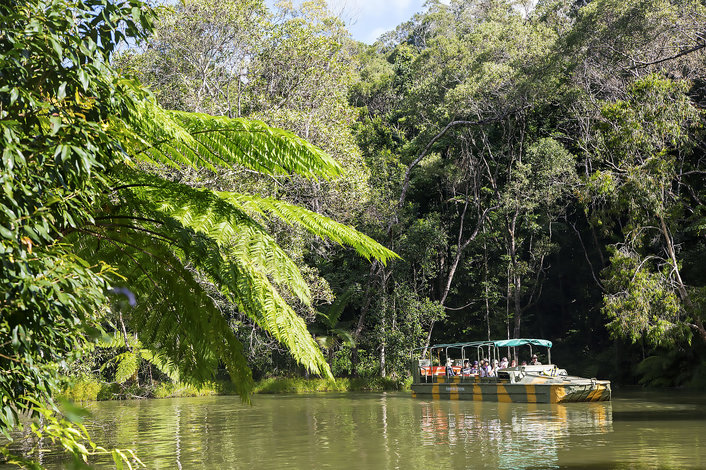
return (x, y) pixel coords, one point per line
(89, 389)
(85, 389)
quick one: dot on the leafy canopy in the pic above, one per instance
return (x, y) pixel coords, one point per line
(85, 210)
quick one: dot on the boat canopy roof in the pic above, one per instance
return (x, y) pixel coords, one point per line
(503, 343)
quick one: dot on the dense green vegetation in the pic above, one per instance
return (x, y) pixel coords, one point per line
(540, 172)
(91, 389)
(104, 247)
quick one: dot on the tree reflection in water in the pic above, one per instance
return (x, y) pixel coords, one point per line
(394, 431)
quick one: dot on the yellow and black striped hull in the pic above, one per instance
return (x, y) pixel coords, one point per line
(536, 391)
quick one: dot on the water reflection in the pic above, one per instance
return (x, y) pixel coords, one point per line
(394, 431)
(510, 435)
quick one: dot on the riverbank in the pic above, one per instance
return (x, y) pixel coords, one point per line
(90, 389)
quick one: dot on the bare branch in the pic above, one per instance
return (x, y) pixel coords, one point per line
(665, 59)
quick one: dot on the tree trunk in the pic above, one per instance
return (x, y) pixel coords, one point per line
(516, 281)
(382, 348)
(681, 287)
(517, 285)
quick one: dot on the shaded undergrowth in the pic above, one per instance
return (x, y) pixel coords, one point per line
(90, 389)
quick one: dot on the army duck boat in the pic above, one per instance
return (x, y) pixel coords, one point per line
(530, 381)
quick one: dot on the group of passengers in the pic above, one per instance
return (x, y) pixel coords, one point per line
(485, 368)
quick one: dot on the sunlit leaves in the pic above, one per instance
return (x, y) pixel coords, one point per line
(79, 212)
(641, 302)
(208, 141)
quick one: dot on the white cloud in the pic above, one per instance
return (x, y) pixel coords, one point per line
(368, 19)
(374, 34)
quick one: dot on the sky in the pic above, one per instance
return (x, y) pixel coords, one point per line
(368, 19)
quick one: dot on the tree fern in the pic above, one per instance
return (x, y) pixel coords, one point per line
(128, 363)
(87, 208)
(218, 235)
(176, 138)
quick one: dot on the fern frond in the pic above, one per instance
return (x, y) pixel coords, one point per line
(236, 233)
(127, 366)
(162, 363)
(175, 138)
(174, 317)
(260, 301)
(335, 311)
(248, 287)
(215, 234)
(112, 340)
(313, 222)
(117, 340)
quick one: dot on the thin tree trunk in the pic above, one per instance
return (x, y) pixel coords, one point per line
(681, 287)
(507, 301)
(487, 290)
(516, 281)
(383, 324)
(517, 285)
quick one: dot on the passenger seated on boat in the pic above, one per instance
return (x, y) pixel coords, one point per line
(449, 368)
(493, 369)
(484, 368)
(474, 368)
(503, 363)
(534, 361)
(466, 369)
(513, 363)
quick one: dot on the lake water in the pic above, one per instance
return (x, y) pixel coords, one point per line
(395, 431)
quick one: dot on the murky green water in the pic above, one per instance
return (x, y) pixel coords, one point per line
(394, 431)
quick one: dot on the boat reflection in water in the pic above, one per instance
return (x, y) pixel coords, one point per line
(513, 435)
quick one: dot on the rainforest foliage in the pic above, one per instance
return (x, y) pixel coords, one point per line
(538, 168)
(179, 187)
(105, 246)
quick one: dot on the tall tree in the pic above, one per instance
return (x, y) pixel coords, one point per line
(645, 152)
(199, 56)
